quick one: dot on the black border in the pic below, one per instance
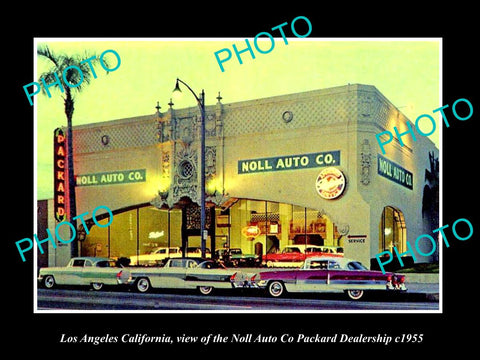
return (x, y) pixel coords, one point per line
(42, 331)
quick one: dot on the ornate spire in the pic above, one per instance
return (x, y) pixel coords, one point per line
(158, 107)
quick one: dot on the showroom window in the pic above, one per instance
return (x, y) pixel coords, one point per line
(393, 231)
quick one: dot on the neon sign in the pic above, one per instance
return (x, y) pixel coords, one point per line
(251, 231)
(59, 154)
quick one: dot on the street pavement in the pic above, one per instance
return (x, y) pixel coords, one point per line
(430, 291)
(423, 296)
(227, 300)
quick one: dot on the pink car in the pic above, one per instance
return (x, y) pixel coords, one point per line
(327, 274)
(295, 255)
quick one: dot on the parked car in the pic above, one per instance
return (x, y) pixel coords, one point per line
(197, 252)
(156, 256)
(324, 251)
(93, 271)
(236, 258)
(326, 274)
(184, 273)
(159, 255)
(295, 255)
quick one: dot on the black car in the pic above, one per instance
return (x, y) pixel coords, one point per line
(236, 258)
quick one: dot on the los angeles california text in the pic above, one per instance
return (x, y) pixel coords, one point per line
(244, 338)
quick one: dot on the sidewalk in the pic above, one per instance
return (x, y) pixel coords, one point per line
(426, 291)
(423, 285)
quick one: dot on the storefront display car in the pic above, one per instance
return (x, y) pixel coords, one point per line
(237, 258)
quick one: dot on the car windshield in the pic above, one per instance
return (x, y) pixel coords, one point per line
(77, 262)
(319, 250)
(209, 264)
(355, 265)
(181, 263)
(333, 265)
(157, 251)
(105, 263)
(322, 265)
(291, 250)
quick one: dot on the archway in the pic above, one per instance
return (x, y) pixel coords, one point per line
(392, 230)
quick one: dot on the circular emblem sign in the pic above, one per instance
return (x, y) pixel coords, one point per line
(251, 231)
(330, 183)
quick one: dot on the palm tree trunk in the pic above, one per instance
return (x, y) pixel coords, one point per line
(69, 107)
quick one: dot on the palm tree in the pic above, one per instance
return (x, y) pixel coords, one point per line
(61, 67)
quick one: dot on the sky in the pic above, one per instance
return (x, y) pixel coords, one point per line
(405, 71)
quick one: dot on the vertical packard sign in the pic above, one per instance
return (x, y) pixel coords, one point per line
(59, 151)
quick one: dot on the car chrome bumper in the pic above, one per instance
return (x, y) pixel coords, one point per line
(249, 285)
(396, 287)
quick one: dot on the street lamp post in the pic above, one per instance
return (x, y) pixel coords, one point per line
(201, 105)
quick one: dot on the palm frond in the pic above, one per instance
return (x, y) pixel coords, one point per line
(67, 67)
(45, 51)
(49, 78)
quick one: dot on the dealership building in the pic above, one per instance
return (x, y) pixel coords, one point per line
(290, 169)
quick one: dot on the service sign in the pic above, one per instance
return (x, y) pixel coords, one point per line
(59, 174)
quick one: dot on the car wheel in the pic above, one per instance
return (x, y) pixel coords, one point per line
(97, 286)
(49, 282)
(142, 285)
(276, 288)
(355, 294)
(205, 290)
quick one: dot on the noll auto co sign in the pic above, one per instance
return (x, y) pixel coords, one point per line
(112, 177)
(289, 162)
(394, 172)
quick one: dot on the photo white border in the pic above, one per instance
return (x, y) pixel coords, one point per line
(340, 311)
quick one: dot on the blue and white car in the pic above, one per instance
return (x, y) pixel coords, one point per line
(84, 271)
